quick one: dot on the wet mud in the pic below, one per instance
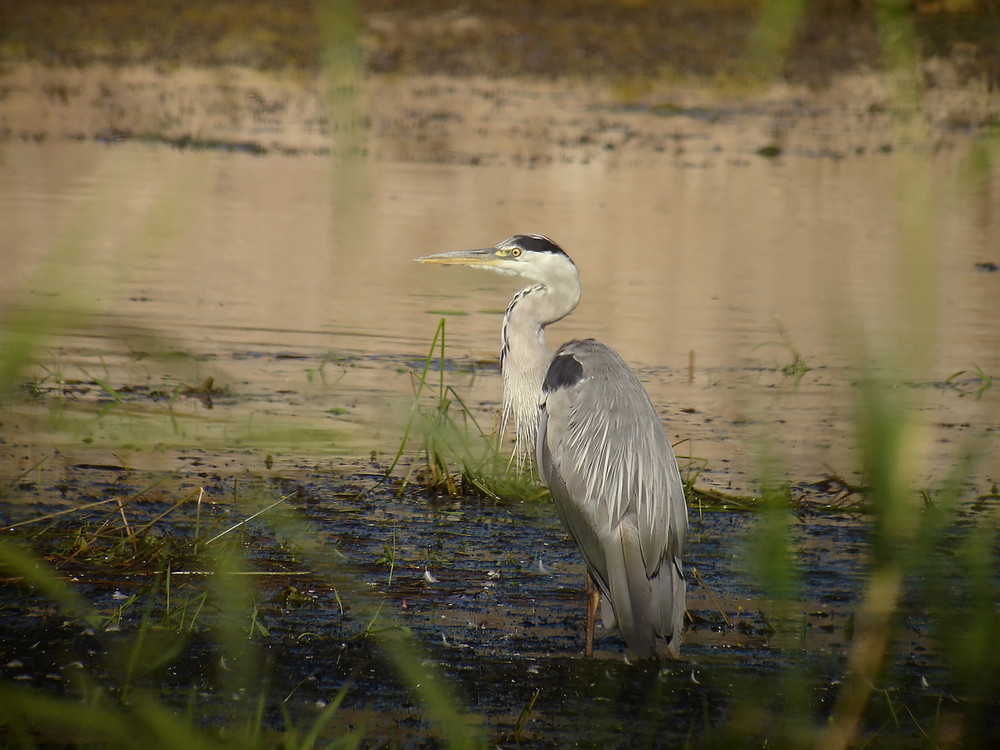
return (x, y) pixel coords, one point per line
(475, 86)
(491, 592)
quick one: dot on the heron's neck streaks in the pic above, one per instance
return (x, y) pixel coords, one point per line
(525, 357)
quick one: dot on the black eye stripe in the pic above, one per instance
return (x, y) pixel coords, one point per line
(534, 243)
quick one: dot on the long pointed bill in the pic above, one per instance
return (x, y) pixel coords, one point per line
(487, 256)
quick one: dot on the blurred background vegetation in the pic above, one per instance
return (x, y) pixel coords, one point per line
(705, 38)
(942, 559)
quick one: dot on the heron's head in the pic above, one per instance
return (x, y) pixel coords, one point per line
(530, 256)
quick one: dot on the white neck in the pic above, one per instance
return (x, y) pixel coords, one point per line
(525, 358)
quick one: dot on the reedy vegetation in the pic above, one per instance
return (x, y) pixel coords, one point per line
(939, 547)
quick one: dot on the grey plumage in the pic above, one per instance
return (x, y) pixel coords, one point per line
(598, 445)
(613, 477)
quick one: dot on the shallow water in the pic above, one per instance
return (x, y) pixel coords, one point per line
(287, 278)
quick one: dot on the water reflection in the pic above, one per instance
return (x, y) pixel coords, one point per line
(702, 252)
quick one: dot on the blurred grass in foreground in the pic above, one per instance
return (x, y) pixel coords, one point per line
(924, 549)
(932, 550)
(131, 714)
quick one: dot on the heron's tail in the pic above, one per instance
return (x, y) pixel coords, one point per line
(669, 602)
(649, 611)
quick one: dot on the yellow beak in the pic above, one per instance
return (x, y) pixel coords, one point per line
(486, 256)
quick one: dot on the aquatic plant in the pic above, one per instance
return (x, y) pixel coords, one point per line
(200, 591)
(458, 455)
(796, 368)
(976, 385)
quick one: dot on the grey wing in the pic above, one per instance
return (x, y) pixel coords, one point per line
(613, 476)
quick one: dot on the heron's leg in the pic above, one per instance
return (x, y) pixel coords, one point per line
(593, 597)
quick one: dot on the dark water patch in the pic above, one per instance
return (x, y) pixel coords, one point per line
(191, 143)
(491, 593)
(485, 588)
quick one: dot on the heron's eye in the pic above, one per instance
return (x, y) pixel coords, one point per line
(515, 252)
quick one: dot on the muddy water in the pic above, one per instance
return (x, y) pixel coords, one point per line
(286, 277)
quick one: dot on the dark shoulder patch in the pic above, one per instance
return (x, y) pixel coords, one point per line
(564, 371)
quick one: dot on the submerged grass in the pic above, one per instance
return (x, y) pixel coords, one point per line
(147, 633)
(459, 457)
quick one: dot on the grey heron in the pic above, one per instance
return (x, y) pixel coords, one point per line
(598, 445)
